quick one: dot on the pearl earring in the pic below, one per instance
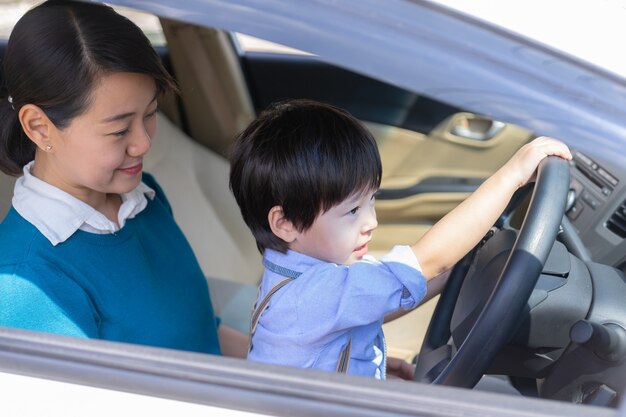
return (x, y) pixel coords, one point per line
(48, 148)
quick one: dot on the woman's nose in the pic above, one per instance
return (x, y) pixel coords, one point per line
(140, 143)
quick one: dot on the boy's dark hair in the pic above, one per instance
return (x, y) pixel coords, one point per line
(56, 54)
(304, 156)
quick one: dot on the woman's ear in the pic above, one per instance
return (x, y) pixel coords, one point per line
(37, 126)
(281, 227)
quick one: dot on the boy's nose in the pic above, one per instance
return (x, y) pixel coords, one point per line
(371, 222)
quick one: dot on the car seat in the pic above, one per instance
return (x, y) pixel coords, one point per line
(195, 181)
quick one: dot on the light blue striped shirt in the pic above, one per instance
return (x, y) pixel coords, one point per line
(310, 320)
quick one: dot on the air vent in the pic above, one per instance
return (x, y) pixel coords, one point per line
(617, 222)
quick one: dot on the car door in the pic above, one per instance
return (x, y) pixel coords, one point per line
(53, 375)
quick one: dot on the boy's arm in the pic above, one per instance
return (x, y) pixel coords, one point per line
(463, 227)
(435, 286)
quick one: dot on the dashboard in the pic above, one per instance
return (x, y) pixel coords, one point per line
(597, 208)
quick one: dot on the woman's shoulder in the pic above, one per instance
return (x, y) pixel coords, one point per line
(17, 236)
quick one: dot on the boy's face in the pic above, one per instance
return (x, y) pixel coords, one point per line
(341, 234)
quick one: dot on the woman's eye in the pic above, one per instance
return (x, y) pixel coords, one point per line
(152, 114)
(121, 133)
(354, 210)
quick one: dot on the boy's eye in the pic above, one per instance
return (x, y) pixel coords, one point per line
(354, 210)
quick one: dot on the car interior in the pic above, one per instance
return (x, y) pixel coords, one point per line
(416, 190)
(425, 148)
(434, 155)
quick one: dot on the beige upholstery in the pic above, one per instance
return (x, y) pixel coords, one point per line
(213, 90)
(195, 181)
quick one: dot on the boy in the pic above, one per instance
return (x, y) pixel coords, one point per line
(304, 175)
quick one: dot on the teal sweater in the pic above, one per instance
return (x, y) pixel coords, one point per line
(140, 285)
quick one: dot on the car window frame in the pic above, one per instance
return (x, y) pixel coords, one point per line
(32, 353)
(238, 384)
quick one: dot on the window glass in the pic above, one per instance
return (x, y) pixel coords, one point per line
(592, 30)
(147, 22)
(275, 76)
(12, 10)
(247, 43)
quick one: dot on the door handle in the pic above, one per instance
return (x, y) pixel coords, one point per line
(476, 128)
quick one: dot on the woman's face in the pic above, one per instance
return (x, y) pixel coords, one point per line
(101, 150)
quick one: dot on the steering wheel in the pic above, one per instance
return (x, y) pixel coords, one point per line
(438, 362)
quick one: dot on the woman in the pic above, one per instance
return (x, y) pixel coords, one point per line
(89, 247)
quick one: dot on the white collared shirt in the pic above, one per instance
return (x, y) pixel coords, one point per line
(58, 215)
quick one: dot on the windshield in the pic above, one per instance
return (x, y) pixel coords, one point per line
(590, 30)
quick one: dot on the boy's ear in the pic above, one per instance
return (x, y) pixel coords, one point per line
(281, 227)
(36, 125)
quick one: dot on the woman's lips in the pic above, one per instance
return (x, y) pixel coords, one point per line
(134, 170)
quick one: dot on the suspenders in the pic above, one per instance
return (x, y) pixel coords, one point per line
(259, 308)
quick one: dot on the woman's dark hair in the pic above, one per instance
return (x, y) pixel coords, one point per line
(304, 156)
(55, 55)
